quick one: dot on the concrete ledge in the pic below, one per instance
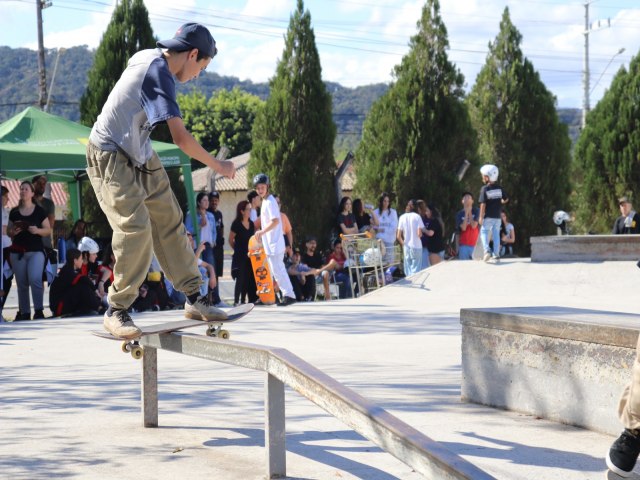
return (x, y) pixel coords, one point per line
(585, 248)
(567, 365)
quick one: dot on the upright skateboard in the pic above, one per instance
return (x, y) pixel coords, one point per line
(214, 329)
(261, 272)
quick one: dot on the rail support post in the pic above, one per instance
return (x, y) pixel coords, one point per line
(150, 387)
(275, 428)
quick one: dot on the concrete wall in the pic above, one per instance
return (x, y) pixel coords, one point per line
(585, 248)
(567, 365)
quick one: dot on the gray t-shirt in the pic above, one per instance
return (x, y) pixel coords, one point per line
(144, 96)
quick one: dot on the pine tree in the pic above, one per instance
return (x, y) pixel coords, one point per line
(293, 134)
(417, 135)
(519, 131)
(128, 31)
(607, 154)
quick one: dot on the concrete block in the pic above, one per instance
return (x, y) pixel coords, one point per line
(585, 248)
(563, 364)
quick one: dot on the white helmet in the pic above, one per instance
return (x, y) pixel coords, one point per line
(490, 171)
(561, 216)
(88, 245)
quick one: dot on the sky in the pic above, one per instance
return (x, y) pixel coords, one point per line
(360, 41)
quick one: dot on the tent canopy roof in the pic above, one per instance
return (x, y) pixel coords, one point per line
(34, 142)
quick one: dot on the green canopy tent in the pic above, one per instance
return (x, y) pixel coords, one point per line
(34, 142)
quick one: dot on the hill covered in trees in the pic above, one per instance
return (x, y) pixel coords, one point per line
(19, 89)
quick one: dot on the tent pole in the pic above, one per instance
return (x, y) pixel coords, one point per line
(74, 198)
(191, 200)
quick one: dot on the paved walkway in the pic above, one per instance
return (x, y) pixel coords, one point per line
(71, 401)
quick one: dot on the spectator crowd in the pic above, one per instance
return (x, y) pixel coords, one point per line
(84, 270)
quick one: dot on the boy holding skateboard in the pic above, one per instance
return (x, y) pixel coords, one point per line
(131, 184)
(272, 238)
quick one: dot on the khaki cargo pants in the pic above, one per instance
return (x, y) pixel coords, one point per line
(145, 218)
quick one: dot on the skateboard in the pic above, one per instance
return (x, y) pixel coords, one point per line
(260, 267)
(214, 329)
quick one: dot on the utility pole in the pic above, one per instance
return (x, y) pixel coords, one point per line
(585, 69)
(588, 28)
(42, 74)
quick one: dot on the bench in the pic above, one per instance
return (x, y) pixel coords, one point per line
(564, 364)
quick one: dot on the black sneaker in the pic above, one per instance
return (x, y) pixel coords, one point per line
(287, 301)
(624, 452)
(22, 316)
(38, 315)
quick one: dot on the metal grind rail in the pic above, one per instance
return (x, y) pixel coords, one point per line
(392, 435)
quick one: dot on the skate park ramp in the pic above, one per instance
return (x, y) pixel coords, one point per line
(71, 401)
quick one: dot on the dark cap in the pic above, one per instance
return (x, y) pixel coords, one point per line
(296, 250)
(214, 194)
(191, 35)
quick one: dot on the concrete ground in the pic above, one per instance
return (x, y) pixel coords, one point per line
(70, 402)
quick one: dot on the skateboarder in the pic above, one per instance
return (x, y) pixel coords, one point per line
(492, 197)
(131, 184)
(272, 238)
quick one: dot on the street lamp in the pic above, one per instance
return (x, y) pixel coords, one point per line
(605, 68)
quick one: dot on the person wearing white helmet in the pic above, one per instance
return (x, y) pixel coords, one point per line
(492, 197)
(89, 249)
(273, 239)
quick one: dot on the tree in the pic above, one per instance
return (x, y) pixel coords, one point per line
(419, 132)
(607, 154)
(128, 31)
(519, 131)
(225, 119)
(293, 134)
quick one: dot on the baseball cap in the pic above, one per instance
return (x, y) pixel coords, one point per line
(622, 200)
(191, 35)
(214, 194)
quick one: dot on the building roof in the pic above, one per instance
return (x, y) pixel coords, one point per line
(202, 177)
(58, 193)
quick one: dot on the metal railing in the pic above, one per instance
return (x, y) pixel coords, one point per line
(420, 452)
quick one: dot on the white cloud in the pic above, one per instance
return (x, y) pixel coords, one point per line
(270, 8)
(256, 62)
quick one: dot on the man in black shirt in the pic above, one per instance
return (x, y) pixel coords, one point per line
(218, 250)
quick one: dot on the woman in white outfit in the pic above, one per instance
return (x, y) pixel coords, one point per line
(387, 220)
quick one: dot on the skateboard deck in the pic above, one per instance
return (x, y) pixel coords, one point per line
(261, 272)
(214, 329)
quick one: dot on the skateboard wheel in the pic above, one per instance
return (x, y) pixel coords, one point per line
(137, 352)
(224, 334)
(126, 348)
(211, 332)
